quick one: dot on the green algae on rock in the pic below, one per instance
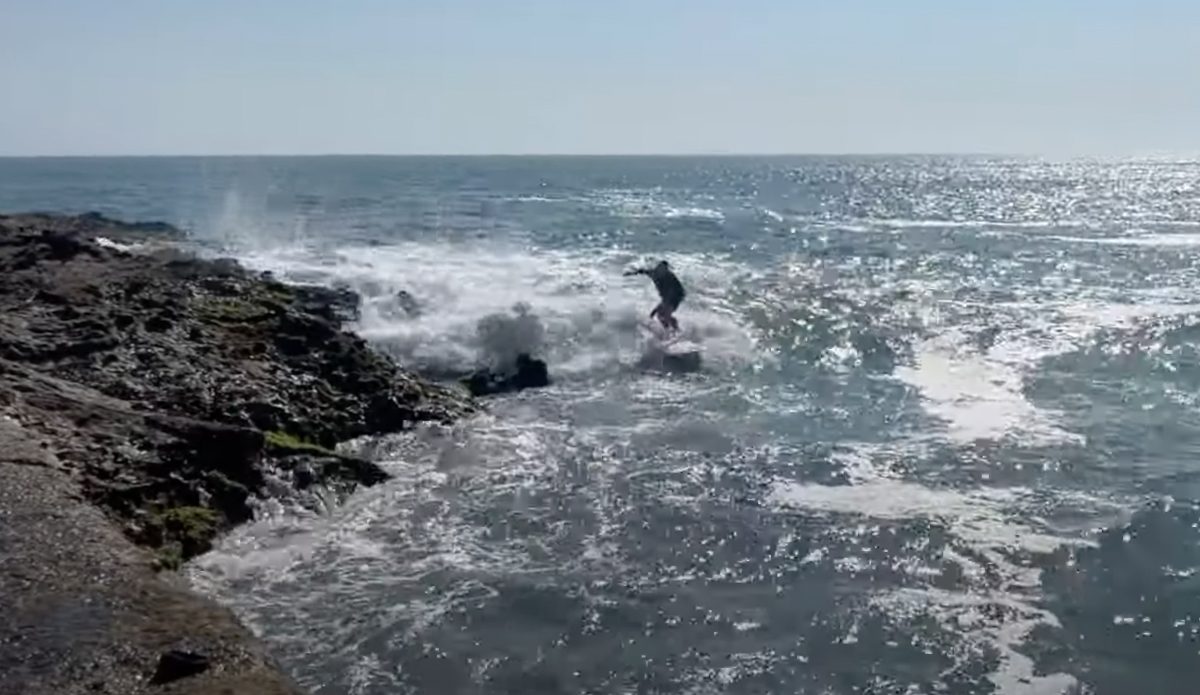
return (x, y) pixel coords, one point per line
(282, 441)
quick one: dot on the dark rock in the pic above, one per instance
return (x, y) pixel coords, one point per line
(160, 322)
(408, 303)
(52, 298)
(304, 475)
(231, 450)
(122, 321)
(312, 330)
(158, 374)
(93, 224)
(526, 373)
(335, 305)
(316, 467)
(61, 246)
(176, 664)
(986, 339)
(130, 389)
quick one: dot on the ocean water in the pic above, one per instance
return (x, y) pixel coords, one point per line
(945, 439)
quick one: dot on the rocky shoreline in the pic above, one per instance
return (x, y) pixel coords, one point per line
(147, 398)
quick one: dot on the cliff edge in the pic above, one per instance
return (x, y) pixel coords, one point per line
(147, 398)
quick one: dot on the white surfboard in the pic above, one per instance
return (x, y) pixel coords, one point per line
(671, 353)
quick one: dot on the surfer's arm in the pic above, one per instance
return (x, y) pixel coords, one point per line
(637, 271)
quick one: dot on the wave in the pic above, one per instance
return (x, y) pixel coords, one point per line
(582, 502)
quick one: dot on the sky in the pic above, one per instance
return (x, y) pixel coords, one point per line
(218, 77)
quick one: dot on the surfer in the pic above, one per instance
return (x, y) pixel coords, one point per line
(670, 292)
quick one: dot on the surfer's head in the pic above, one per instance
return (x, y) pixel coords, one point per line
(662, 265)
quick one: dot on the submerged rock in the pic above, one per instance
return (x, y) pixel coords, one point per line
(408, 303)
(526, 373)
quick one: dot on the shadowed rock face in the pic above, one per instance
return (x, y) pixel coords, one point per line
(525, 373)
(163, 387)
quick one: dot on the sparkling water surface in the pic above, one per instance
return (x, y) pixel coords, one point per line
(944, 440)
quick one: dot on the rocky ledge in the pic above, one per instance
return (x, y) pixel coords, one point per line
(147, 398)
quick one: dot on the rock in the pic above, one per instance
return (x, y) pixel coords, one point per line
(985, 339)
(81, 610)
(304, 475)
(408, 304)
(316, 467)
(526, 373)
(147, 397)
(93, 224)
(335, 304)
(176, 664)
(191, 364)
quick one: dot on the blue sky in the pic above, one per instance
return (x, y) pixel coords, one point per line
(1055, 77)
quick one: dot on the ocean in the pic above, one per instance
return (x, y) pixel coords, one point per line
(944, 438)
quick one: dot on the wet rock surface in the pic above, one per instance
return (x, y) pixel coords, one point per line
(526, 372)
(146, 396)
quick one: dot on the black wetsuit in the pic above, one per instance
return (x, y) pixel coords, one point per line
(670, 289)
(670, 292)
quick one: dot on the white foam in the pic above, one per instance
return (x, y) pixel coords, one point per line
(979, 519)
(589, 311)
(1152, 240)
(979, 397)
(978, 392)
(975, 516)
(974, 614)
(901, 223)
(534, 199)
(482, 457)
(109, 243)
(638, 204)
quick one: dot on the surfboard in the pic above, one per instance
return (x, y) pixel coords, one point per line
(671, 353)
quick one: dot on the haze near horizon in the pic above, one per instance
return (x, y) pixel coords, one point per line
(135, 77)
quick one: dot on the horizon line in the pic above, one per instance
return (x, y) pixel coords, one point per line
(611, 155)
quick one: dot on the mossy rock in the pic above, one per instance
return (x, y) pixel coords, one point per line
(278, 292)
(169, 557)
(225, 310)
(185, 533)
(193, 527)
(284, 442)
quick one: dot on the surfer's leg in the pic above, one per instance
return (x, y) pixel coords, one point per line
(668, 312)
(658, 311)
(667, 318)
